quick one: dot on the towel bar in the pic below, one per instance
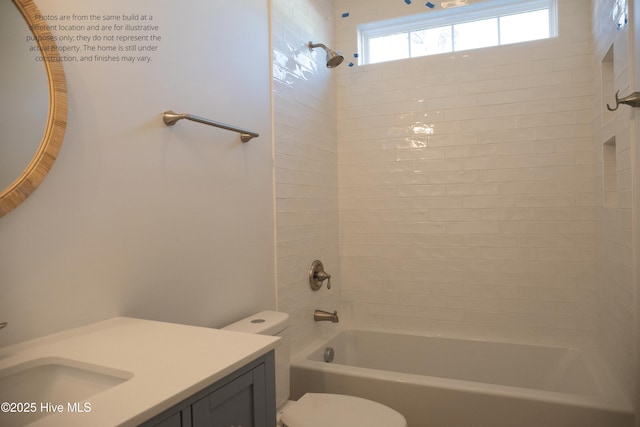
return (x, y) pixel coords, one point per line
(170, 118)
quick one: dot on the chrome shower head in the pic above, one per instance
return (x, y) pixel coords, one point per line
(333, 58)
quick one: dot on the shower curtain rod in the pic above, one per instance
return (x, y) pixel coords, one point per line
(170, 118)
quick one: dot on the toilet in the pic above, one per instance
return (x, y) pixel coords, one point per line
(313, 409)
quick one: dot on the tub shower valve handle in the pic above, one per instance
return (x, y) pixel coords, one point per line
(317, 275)
(632, 100)
(322, 276)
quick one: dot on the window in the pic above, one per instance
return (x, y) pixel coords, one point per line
(490, 23)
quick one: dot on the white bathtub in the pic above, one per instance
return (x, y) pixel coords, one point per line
(445, 382)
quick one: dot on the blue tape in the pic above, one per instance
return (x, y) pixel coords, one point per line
(345, 15)
(407, 1)
(355, 55)
(430, 5)
(351, 64)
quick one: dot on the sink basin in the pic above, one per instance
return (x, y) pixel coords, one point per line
(53, 380)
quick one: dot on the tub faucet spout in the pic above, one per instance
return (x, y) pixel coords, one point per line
(321, 315)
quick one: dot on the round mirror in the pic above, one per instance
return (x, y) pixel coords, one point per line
(34, 104)
(25, 96)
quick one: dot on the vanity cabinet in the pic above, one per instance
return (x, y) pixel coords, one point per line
(245, 398)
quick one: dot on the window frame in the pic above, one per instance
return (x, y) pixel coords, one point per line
(450, 17)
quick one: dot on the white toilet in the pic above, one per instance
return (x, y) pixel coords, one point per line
(313, 409)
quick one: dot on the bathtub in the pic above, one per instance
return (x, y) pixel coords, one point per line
(447, 382)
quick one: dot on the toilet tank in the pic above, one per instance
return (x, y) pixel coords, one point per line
(272, 323)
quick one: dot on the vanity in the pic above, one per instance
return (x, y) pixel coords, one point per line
(129, 372)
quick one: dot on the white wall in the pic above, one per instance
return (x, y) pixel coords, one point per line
(143, 220)
(306, 162)
(486, 228)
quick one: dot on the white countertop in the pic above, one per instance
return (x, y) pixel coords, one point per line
(169, 363)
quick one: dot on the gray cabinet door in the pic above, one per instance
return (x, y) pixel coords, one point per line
(173, 421)
(239, 403)
(244, 398)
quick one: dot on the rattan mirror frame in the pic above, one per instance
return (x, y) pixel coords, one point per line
(42, 162)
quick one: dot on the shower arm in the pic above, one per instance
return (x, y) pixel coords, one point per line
(312, 45)
(170, 118)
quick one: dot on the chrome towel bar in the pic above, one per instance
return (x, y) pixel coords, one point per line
(170, 118)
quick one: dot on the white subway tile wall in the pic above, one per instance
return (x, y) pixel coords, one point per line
(306, 162)
(614, 221)
(467, 185)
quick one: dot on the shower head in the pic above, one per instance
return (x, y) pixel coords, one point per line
(333, 58)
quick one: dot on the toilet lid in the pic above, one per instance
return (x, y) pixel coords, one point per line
(336, 410)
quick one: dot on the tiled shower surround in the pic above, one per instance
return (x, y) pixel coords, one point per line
(614, 257)
(468, 187)
(306, 162)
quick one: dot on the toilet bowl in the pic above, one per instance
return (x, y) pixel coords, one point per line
(313, 409)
